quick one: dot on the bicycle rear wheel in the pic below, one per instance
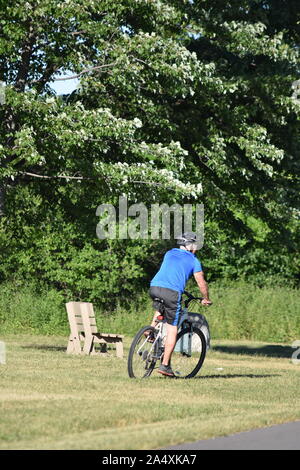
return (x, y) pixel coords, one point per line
(142, 354)
(189, 353)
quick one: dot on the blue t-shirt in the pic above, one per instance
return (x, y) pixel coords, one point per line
(177, 267)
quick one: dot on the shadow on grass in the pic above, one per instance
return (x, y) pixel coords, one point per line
(45, 347)
(236, 376)
(225, 376)
(272, 350)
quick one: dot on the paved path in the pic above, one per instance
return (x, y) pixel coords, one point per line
(280, 437)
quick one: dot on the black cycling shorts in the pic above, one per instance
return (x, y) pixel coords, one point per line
(171, 305)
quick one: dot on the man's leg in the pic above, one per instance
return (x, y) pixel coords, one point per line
(170, 343)
(173, 309)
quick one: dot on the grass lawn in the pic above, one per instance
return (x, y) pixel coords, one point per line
(50, 400)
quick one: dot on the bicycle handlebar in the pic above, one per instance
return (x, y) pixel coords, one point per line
(190, 297)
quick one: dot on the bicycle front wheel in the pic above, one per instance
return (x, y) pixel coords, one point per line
(189, 353)
(142, 354)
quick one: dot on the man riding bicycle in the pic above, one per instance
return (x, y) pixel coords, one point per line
(167, 286)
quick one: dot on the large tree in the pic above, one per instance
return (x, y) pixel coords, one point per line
(44, 136)
(192, 101)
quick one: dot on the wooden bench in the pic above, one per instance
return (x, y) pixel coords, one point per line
(84, 329)
(76, 327)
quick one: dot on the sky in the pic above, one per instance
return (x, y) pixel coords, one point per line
(62, 87)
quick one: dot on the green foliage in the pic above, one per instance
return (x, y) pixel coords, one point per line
(178, 102)
(241, 310)
(24, 309)
(56, 252)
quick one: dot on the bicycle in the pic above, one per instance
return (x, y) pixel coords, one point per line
(192, 342)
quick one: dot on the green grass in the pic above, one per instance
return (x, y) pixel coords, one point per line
(50, 400)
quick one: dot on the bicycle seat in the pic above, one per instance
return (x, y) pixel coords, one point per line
(158, 300)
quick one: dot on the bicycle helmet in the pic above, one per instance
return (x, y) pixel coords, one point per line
(187, 238)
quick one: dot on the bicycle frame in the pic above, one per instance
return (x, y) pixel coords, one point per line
(157, 344)
(162, 334)
(186, 345)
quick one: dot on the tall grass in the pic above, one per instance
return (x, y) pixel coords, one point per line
(243, 311)
(25, 310)
(240, 310)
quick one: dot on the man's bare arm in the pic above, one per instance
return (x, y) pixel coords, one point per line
(202, 284)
